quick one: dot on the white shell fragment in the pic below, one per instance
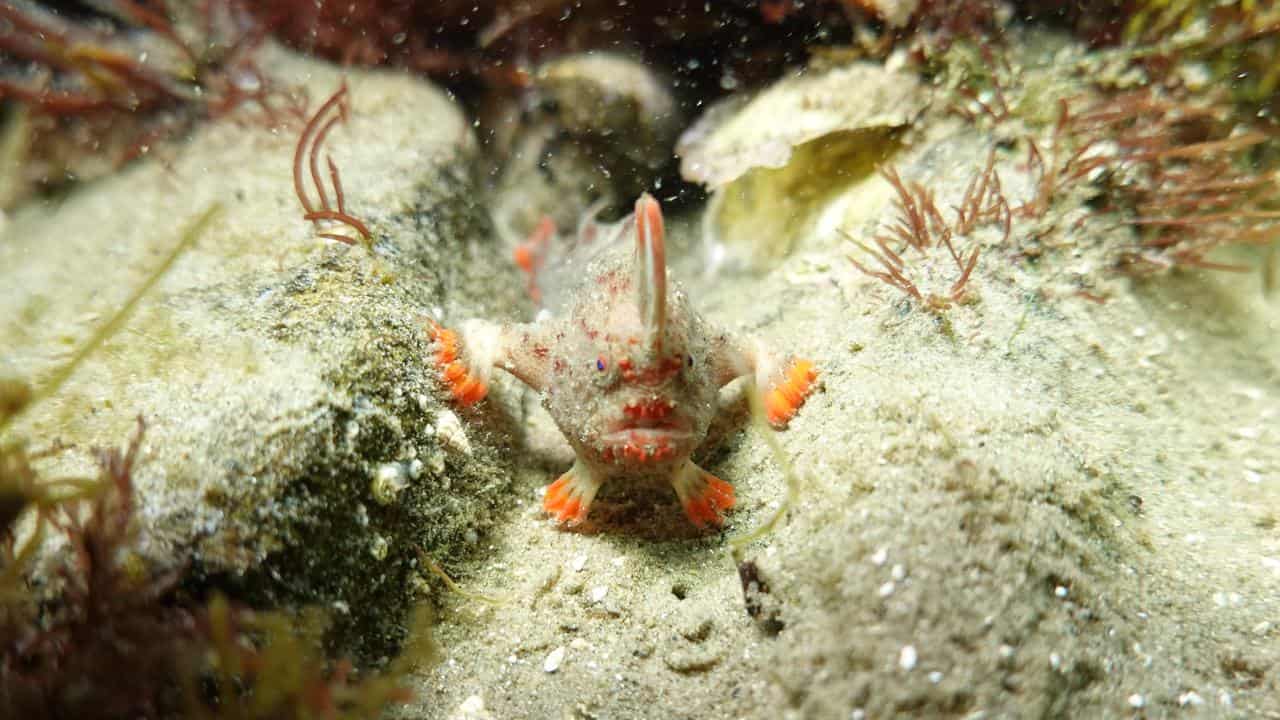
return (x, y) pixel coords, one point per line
(554, 658)
(449, 431)
(730, 140)
(907, 658)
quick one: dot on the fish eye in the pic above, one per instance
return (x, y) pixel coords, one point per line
(600, 363)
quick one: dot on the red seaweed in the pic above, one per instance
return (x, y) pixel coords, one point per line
(97, 87)
(919, 225)
(118, 640)
(307, 152)
(1175, 167)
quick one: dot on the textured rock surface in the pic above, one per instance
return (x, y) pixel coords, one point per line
(291, 445)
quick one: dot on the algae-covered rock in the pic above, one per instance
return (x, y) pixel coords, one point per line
(292, 447)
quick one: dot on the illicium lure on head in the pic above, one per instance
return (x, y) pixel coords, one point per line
(629, 372)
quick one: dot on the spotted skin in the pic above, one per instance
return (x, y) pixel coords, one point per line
(627, 369)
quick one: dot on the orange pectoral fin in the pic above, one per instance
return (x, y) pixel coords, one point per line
(784, 399)
(465, 385)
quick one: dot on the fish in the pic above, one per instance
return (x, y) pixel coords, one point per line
(627, 368)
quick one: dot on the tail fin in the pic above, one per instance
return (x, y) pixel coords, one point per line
(651, 270)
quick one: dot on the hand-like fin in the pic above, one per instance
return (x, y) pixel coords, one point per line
(704, 496)
(568, 499)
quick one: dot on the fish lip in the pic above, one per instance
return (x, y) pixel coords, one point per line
(634, 433)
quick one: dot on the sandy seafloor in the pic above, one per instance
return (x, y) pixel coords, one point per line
(1053, 508)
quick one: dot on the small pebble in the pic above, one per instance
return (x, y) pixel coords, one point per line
(898, 572)
(879, 557)
(1136, 701)
(887, 589)
(378, 548)
(579, 562)
(554, 658)
(598, 593)
(1060, 591)
(471, 709)
(1190, 697)
(935, 677)
(907, 658)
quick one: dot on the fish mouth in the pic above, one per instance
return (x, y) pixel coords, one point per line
(653, 419)
(647, 435)
(640, 446)
(647, 430)
(646, 441)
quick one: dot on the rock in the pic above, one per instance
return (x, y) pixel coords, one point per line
(594, 131)
(277, 371)
(735, 138)
(770, 161)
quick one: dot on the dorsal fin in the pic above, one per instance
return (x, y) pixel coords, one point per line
(651, 271)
